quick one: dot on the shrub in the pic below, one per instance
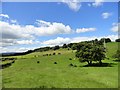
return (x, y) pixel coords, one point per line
(70, 58)
(56, 47)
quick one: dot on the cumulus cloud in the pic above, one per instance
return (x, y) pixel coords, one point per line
(98, 3)
(89, 4)
(13, 32)
(106, 15)
(81, 30)
(15, 49)
(57, 41)
(4, 16)
(116, 27)
(17, 31)
(73, 4)
(14, 21)
(48, 28)
(61, 40)
(12, 42)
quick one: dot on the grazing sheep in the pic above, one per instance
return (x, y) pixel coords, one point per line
(38, 61)
(53, 53)
(13, 61)
(55, 62)
(59, 53)
(71, 64)
(75, 65)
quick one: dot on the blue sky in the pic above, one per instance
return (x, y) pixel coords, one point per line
(28, 25)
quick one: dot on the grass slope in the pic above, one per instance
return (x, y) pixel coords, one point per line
(27, 73)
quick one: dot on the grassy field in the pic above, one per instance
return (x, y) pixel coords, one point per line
(27, 73)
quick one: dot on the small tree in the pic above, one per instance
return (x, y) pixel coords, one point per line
(56, 47)
(117, 55)
(64, 46)
(106, 40)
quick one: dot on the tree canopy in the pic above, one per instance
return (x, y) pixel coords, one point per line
(89, 52)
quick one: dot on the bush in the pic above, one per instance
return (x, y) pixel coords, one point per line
(56, 48)
(64, 46)
(70, 58)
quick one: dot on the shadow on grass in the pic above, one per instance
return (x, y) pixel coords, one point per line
(98, 65)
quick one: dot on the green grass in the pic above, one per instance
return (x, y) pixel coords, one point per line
(27, 73)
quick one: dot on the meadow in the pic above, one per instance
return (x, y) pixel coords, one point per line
(37, 71)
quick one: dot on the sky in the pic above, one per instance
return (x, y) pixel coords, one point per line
(30, 25)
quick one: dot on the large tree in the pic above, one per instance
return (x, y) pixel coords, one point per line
(89, 52)
(117, 40)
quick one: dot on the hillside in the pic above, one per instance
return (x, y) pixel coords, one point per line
(37, 70)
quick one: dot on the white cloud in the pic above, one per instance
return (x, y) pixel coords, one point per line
(116, 27)
(89, 4)
(4, 15)
(25, 42)
(14, 21)
(106, 15)
(11, 42)
(98, 3)
(81, 30)
(14, 32)
(48, 28)
(61, 40)
(14, 49)
(73, 4)
(57, 41)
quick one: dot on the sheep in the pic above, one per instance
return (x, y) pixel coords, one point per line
(55, 62)
(70, 58)
(71, 64)
(53, 53)
(38, 61)
(59, 53)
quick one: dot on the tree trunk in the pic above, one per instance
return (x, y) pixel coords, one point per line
(100, 62)
(89, 62)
